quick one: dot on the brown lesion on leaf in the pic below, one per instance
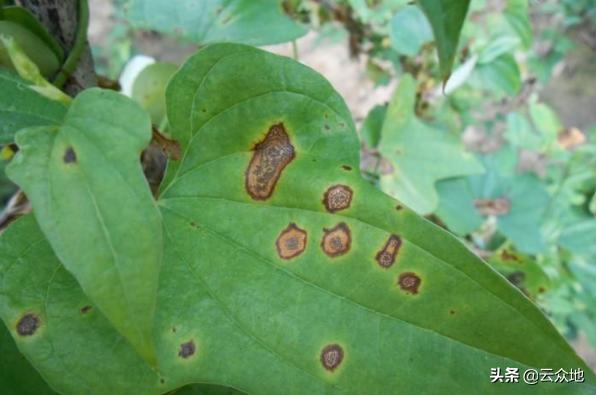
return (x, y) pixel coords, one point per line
(69, 156)
(28, 324)
(86, 309)
(507, 256)
(409, 282)
(399, 207)
(332, 356)
(187, 349)
(270, 157)
(346, 167)
(291, 242)
(516, 278)
(337, 197)
(337, 240)
(497, 206)
(386, 256)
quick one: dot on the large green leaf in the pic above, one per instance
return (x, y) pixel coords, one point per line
(88, 191)
(284, 271)
(21, 106)
(446, 18)
(419, 154)
(246, 21)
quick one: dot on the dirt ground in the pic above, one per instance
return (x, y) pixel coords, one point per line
(572, 93)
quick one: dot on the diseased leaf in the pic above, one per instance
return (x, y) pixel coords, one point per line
(89, 194)
(446, 18)
(419, 154)
(521, 271)
(17, 376)
(21, 107)
(245, 21)
(517, 201)
(284, 271)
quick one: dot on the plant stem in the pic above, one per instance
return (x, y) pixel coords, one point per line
(80, 44)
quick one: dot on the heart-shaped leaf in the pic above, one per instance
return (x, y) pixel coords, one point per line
(284, 271)
(91, 199)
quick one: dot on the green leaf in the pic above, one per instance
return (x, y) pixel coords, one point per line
(446, 18)
(25, 18)
(21, 107)
(420, 155)
(244, 21)
(410, 30)
(517, 14)
(34, 47)
(17, 376)
(256, 292)
(149, 89)
(517, 201)
(89, 194)
(29, 70)
(372, 126)
(521, 270)
(501, 75)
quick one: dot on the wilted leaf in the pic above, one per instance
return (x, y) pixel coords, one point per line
(246, 21)
(21, 106)
(89, 194)
(284, 270)
(420, 155)
(446, 18)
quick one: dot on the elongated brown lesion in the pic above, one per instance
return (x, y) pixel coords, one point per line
(337, 240)
(291, 242)
(270, 157)
(386, 256)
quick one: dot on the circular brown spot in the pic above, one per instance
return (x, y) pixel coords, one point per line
(452, 312)
(85, 309)
(187, 349)
(291, 242)
(409, 282)
(28, 324)
(346, 167)
(399, 207)
(336, 241)
(332, 356)
(337, 197)
(386, 256)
